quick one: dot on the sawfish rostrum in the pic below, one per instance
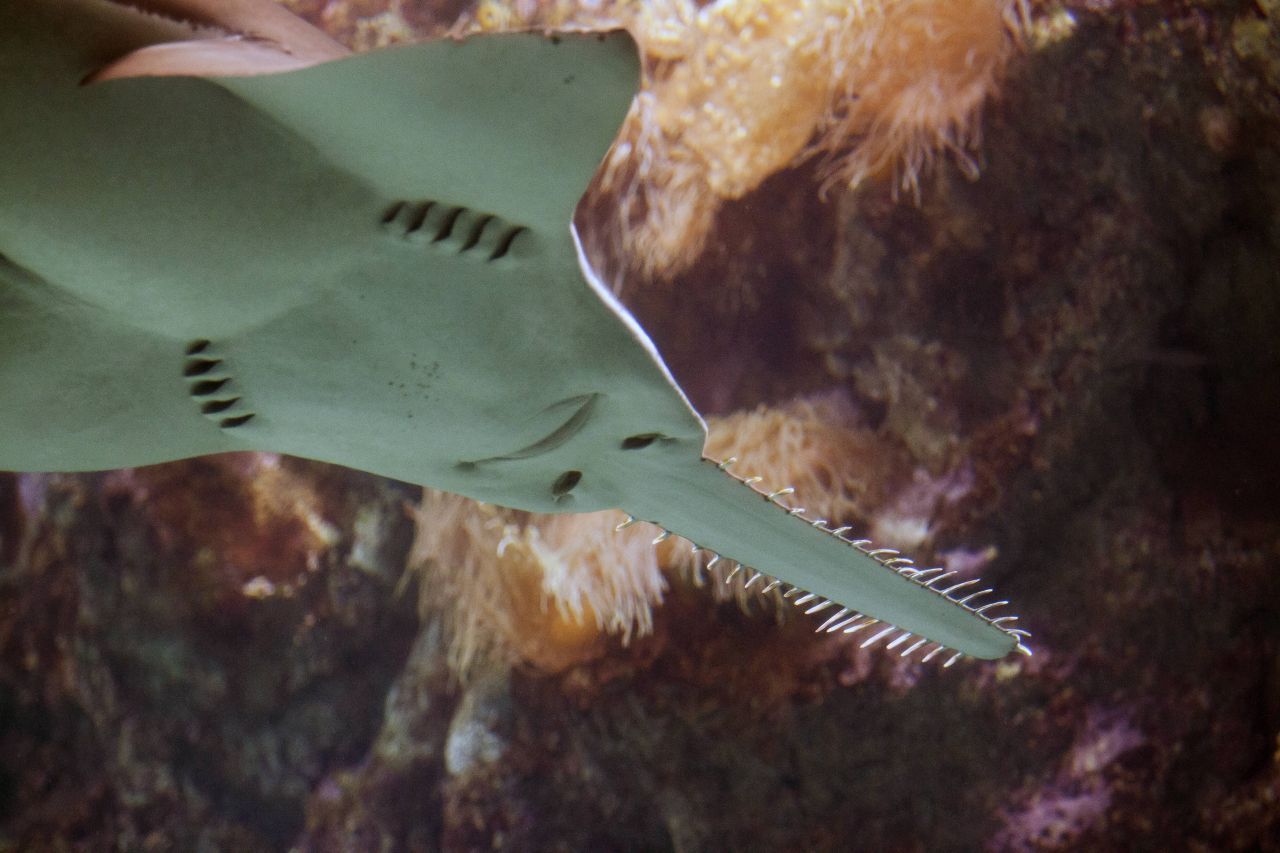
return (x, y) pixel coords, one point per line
(232, 236)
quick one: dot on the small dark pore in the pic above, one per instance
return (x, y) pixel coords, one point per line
(565, 483)
(207, 387)
(217, 407)
(238, 420)
(196, 347)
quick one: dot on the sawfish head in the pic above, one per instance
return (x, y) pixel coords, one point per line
(219, 232)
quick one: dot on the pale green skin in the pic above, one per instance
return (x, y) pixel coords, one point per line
(140, 216)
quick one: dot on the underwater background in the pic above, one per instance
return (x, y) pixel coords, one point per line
(996, 283)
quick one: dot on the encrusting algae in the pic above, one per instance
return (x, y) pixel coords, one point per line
(738, 90)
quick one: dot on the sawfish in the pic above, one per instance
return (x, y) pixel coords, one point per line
(220, 231)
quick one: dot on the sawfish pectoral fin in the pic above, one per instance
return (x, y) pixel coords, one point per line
(728, 517)
(259, 37)
(514, 124)
(215, 57)
(261, 22)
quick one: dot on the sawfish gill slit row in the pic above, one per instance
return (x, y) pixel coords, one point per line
(440, 223)
(210, 386)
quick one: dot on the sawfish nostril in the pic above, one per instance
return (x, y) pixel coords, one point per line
(565, 483)
(636, 442)
(461, 229)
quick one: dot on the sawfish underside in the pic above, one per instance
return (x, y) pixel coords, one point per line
(219, 232)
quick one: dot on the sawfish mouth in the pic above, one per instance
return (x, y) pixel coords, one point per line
(584, 406)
